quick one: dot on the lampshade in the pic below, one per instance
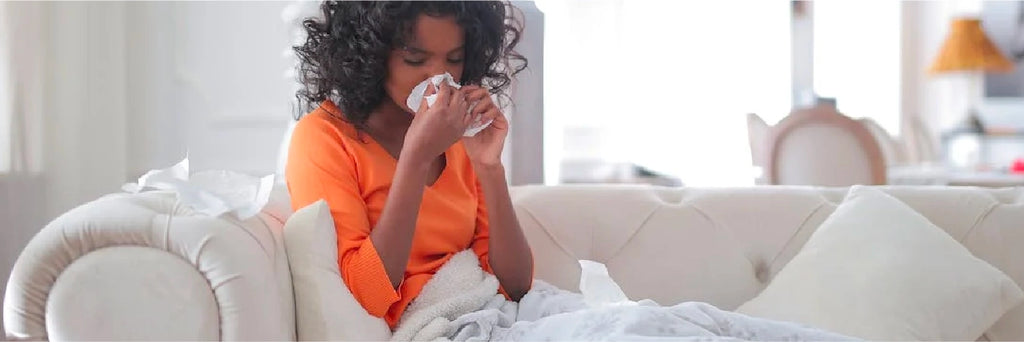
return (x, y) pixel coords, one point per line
(967, 48)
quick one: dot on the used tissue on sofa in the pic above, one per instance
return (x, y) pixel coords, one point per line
(213, 193)
(416, 97)
(598, 288)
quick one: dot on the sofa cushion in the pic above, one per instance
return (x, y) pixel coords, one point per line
(878, 270)
(325, 309)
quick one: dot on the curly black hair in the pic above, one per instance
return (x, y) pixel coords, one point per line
(344, 57)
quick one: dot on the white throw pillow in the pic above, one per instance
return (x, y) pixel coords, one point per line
(325, 309)
(878, 270)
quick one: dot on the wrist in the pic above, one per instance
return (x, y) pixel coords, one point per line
(413, 157)
(489, 169)
(412, 161)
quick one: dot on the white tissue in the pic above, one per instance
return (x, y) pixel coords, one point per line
(416, 97)
(212, 193)
(598, 288)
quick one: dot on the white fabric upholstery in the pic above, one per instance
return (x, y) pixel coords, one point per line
(723, 246)
(150, 282)
(325, 309)
(878, 270)
(824, 155)
(164, 265)
(718, 245)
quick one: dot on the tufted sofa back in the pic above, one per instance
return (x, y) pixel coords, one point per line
(723, 246)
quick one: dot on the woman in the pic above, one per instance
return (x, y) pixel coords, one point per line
(406, 190)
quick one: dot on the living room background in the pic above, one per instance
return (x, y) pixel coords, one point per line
(94, 94)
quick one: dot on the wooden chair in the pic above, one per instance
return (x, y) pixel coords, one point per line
(892, 150)
(818, 146)
(757, 135)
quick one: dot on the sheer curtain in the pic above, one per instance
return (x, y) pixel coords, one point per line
(663, 85)
(21, 182)
(6, 112)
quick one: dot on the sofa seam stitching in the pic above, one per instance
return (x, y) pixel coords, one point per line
(643, 224)
(977, 221)
(533, 217)
(789, 241)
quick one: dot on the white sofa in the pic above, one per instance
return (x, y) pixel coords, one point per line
(139, 267)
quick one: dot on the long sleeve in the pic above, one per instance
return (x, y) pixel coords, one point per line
(482, 235)
(320, 167)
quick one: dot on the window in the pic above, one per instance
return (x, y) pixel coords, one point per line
(857, 62)
(663, 85)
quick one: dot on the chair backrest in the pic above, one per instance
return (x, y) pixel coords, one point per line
(757, 134)
(892, 150)
(821, 147)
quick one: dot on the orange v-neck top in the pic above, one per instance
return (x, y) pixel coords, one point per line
(328, 160)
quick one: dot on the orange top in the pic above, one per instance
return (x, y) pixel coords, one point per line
(327, 160)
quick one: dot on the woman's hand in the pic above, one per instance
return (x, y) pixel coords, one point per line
(437, 127)
(485, 147)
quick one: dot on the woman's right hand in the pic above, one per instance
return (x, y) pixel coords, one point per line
(437, 127)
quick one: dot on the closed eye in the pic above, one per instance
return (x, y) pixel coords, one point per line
(415, 62)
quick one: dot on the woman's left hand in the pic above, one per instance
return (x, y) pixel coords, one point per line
(485, 147)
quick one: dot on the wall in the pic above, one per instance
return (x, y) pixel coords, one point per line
(85, 121)
(525, 147)
(1000, 19)
(207, 78)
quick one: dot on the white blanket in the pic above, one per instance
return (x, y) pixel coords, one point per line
(461, 303)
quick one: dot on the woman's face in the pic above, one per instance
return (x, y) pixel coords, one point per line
(436, 48)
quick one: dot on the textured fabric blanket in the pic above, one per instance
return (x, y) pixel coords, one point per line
(461, 303)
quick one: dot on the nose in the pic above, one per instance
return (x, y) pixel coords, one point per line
(437, 68)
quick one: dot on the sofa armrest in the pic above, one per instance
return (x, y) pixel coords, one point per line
(143, 267)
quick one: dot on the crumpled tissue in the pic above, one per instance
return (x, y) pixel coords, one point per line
(416, 97)
(213, 193)
(599, 289)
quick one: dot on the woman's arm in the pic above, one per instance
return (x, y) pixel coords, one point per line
(433, 130)
(392, 236)
(509, 253)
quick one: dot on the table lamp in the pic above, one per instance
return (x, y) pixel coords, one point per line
(968, 51)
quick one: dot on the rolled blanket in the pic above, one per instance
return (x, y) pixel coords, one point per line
(458, 288)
